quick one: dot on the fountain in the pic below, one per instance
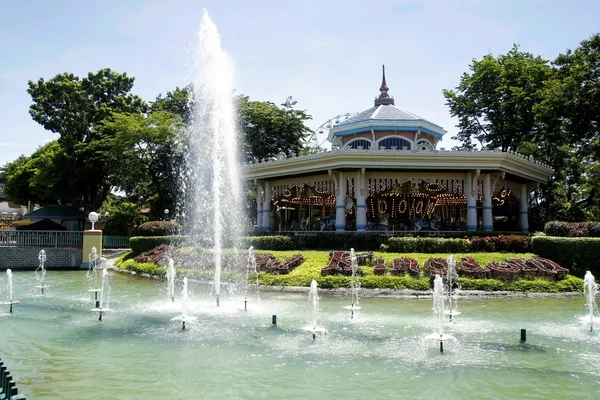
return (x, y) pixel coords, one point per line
(313, 310)
(354, 285)
(438, 313)
(102, 305)
(92, 273)
(590, 290)
(40, 272)
(9, 286)
(451, 288)
(251, 267)
(214, 205)
(184, 317)
(171, 278)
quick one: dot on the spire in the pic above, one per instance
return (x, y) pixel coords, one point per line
(384, 98)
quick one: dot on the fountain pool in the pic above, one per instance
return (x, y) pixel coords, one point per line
(56, 349)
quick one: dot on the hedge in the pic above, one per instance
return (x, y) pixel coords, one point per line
(576, 254)
(139, 244)
(159, 228)
(427, 245)
(270, 242)
(572, 229)
(501, 243)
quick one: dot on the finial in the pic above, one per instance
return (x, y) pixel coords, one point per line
(384, 98)
(384, 87)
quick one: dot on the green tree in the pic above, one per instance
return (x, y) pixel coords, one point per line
(176, 102)
(270, 131)
(494, 103)
(73, 108)
(145, 157)
(569, 138)
(123, 216)
(39, 178)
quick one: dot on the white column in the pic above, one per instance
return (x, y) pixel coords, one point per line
(523, 209)
(340, 206)
(361, 204)
(471, 202)
(488, 220)
(258, 194)
(266, 211)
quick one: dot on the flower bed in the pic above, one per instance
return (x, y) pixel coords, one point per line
(503, 270)
(435, 266)
(267, 262)
(469, 267)
(341, 264)
(404, 265)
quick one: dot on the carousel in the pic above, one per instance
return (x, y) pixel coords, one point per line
(385, 173)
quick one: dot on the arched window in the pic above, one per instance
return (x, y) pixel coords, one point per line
(394, 142)
(365, 144)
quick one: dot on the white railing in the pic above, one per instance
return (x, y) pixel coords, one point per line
(115, 242)
(40, 239)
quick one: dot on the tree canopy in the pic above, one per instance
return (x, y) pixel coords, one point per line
(494, 103)
(549, 110)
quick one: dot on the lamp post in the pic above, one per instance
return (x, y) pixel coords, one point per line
(93, 217)
(166, 214)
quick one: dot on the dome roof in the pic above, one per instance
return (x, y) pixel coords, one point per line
(384, 115)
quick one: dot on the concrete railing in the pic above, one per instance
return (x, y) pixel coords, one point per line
(8, 387)
(42, 239)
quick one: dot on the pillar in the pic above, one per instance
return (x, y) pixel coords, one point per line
(258, 193)
(471, 202)
(91, 238)
(523, 209)
(266, 211)
(361, 204)
(488, 219)
(340, 205)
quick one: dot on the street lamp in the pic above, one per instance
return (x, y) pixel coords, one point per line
(93, 217)
(166, 214)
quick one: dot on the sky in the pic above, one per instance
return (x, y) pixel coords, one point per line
(327, 54)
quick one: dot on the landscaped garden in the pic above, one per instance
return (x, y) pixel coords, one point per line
(507, 262)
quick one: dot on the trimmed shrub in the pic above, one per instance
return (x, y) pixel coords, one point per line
(159, 228)
(576, 254)
(427, 245)
(501, 243)
(271, 242)
(572, 229)
(338, 240)
(140, 244)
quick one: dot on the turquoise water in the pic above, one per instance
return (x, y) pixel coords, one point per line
(57, 349)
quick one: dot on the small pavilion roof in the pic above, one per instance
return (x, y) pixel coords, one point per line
(384, 115)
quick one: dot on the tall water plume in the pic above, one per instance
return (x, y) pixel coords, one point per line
(213, 209)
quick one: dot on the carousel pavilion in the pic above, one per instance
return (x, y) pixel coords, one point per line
(385, 173)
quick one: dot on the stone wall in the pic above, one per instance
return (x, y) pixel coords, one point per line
(27, 258)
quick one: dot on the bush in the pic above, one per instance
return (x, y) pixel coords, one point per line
(572, 229)
(270, 242)
(427, 245)
(140, 244)
(340, 240)
(159, 228)
(576, 254)
(501, 243)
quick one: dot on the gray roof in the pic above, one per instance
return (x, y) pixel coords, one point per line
(382, 113)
